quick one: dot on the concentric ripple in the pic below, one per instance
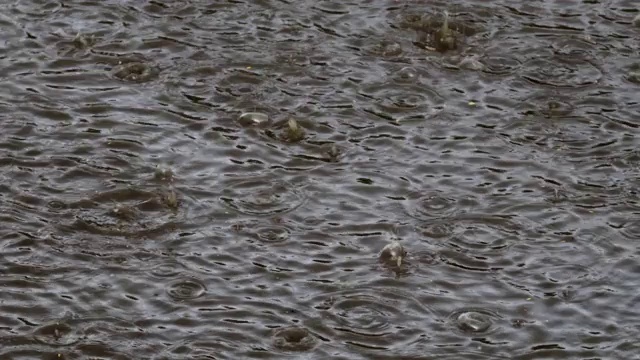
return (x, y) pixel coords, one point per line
(260, 198)
(500, 64)
(565, 281)
(186, 289)
(363, 314)
(549, 105)
(475, 245)
(272, 234)
(167, 269)
(412, 99)
(555, 72)
(569, 274)
(631, 230)
(432, 205)
(371, 318)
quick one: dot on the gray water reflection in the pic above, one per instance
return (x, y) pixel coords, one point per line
(215, 180)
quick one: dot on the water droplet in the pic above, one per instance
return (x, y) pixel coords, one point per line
(473, 321)
(406, 74)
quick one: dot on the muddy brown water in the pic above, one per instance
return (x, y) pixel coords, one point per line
(155, 202)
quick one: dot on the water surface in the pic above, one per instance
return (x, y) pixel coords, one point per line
(143, 216)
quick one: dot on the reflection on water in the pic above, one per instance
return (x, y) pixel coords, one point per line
(216, 180)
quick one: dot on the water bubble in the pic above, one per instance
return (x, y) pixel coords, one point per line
(473, 321)
(186, 289)
(294, 339)
(406, 74)
(253, 119)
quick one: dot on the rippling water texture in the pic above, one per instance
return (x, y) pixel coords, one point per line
(156, 202)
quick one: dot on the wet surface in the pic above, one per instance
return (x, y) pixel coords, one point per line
(215, 180)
